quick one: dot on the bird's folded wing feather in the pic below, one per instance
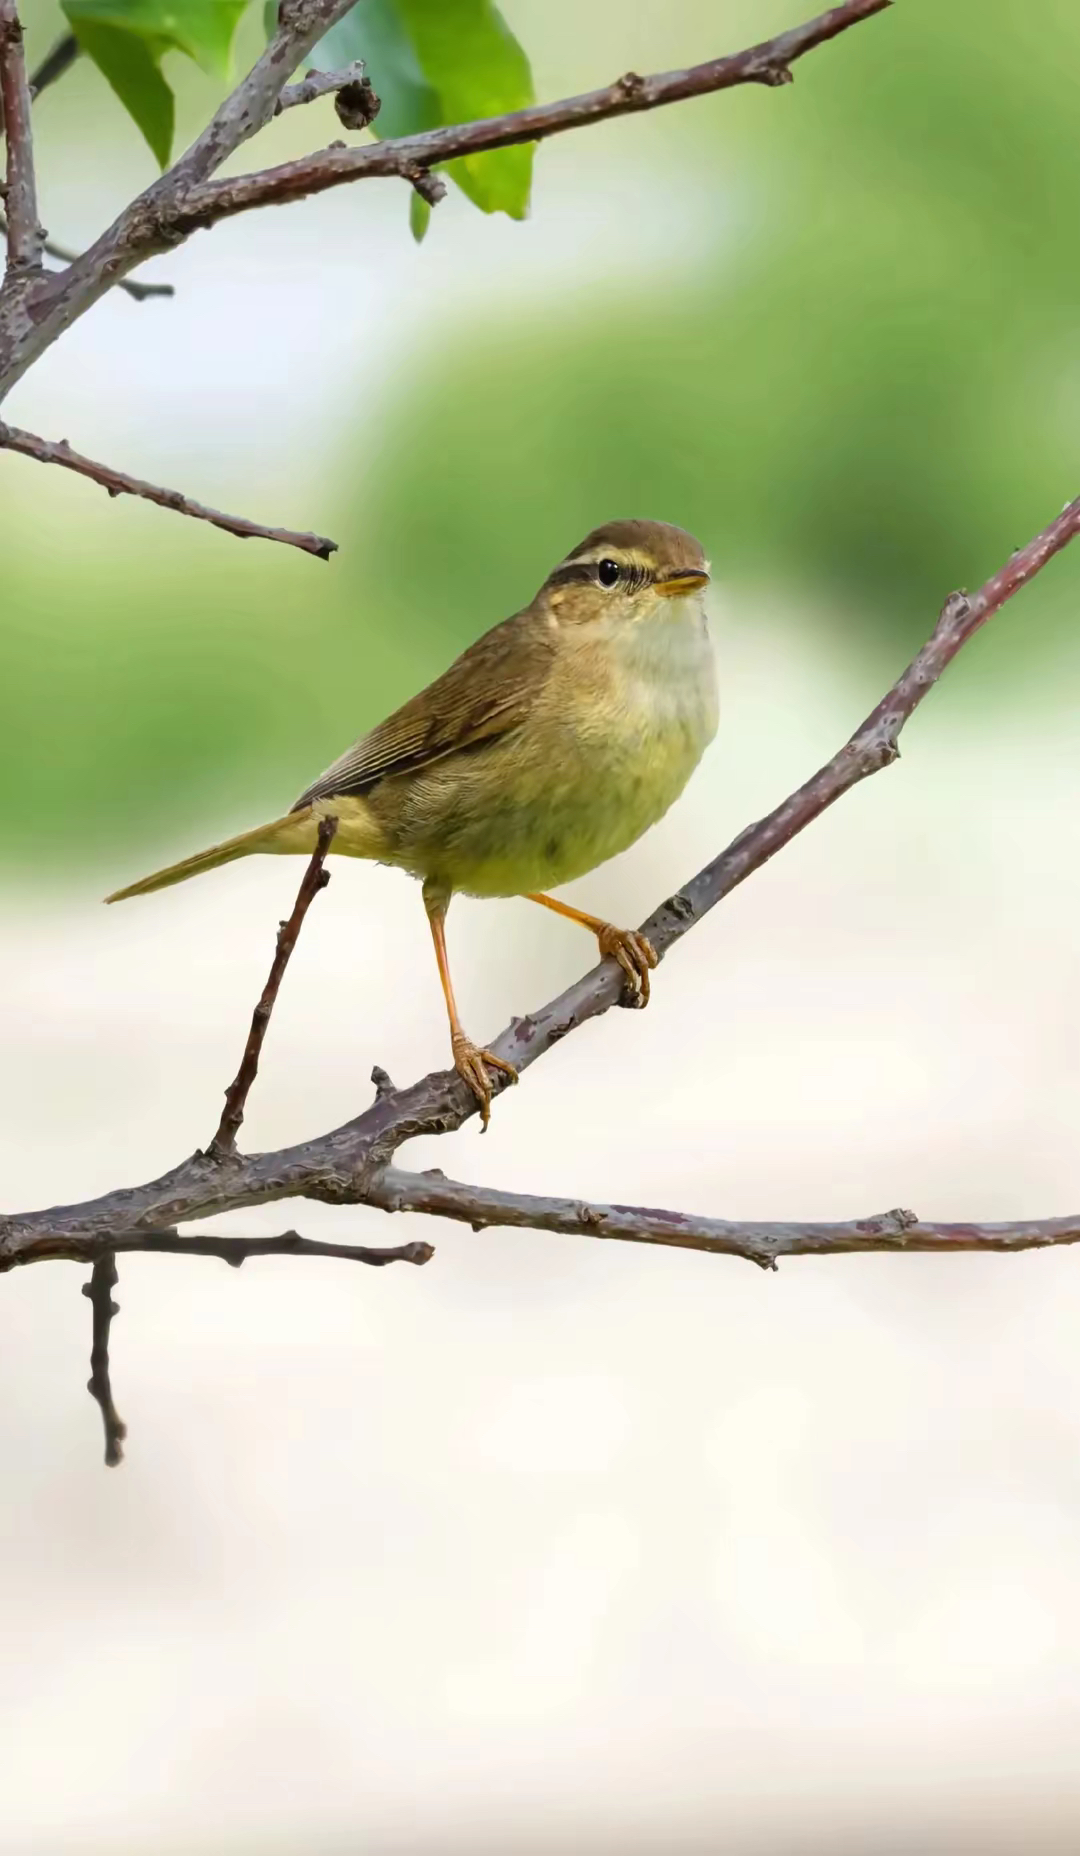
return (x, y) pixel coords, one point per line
(489, 690)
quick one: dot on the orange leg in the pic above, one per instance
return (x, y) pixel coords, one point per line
(469, 1059)
(635, 954)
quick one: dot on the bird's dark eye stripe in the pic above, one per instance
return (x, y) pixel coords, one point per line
(573, 573)
(631, 576)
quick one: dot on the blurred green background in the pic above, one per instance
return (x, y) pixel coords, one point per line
(851, 369)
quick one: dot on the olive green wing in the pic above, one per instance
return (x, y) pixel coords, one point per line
(488, 691)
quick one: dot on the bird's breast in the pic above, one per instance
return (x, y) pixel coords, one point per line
(616, 733)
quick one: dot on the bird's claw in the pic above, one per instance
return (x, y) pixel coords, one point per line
(470, 1062)
(636, 956)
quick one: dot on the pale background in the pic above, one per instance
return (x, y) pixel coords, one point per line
(556, 1545)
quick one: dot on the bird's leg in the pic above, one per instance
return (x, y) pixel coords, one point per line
(469, 1059)
(635, 954)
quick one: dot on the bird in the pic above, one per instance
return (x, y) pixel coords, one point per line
(549, 746)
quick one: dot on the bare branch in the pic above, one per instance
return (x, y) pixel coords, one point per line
(348, 1165)
(326, 84)
(315, 878)
(186, 199)
(118, 483)
(485, 1206)
(227, 1248)
(138, 292)
(55, 63)
(24, 233)
(768, 63)
(301, 24)
(103, 1280)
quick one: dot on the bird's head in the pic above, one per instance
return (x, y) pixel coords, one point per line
(626, 571)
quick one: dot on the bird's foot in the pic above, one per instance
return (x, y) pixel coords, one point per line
(636, 956)
(470, 1062)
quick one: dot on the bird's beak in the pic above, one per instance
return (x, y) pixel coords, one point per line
(678, 584)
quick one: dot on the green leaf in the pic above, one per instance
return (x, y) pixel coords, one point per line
(419, 216)
(472, 58)
(127, 40)
(375, 31)
(443, 61)
(131, 65)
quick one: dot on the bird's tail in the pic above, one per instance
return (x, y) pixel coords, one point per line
(296, 832)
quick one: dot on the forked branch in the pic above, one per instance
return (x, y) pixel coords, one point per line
(188, 197)
(768, 64)
(351, 1165)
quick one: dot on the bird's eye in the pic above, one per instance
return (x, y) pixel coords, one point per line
(607, 572)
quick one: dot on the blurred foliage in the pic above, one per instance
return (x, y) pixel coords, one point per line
(868, 388)
(856, 378)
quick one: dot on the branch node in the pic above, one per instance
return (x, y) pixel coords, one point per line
(429, 186)
(383, 1085)
(958, 606)
(631, 84)
(357, 105)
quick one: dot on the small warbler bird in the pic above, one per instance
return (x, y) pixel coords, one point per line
(551, 744)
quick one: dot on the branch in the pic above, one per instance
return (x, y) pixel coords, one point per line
(356, 102)
(315, 878)
(138, 292)
(24, 233)
(300, 26)
(484, 1206)
(55, 63)
(76, 1248)
(348, 1166)
(768, 63)
(186, 198)
(232, 1250)
(118, 483)
(103, 1281)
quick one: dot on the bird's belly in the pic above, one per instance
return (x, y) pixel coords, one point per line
(526, 816)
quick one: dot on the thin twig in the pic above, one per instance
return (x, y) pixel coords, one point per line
(300, 26)
(485, 1206)
(24, 233)
(131, 287)
(315, 877)
(103, 1280)
(344, 1167)
(55, 63)
(118, 483)
(319, 84)
(186, 198)
(768, 63)
(76, 1248)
